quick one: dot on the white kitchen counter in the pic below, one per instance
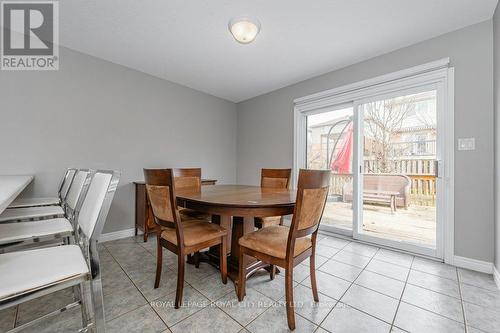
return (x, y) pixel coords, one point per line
(11, 187)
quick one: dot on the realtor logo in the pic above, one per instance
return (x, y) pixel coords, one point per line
(29, 35)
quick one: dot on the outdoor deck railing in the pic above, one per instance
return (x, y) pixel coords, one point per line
(403, 166)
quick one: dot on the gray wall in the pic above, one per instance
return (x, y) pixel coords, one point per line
(92, 113)
(496, 54)
(265, 125)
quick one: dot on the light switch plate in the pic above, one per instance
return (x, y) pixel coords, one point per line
(466, 144)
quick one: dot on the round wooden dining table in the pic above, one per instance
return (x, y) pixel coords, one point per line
(234, 207)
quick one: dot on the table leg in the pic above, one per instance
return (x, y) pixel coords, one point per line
(237, 227)
(241, 227)
(226, 223)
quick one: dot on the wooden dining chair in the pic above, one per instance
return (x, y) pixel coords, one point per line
(182, 237)
(185, 178)
(273, 178)
(189, 179)
(287, 247)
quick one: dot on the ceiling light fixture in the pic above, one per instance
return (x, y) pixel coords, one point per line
(244, 29)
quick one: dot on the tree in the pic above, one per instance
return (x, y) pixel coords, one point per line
(383, 119)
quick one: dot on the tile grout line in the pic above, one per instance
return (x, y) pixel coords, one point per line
(427, 310)
(212, 303)
(172, 292)
(461, 300)
(433, 291)
(402, 293)
(378, 292)
(133, 283)
(243, 326)
(439, 276)
(137, 288)
(345, 292)
(274, 302)
(432, 312)
(16, 316)
(328, 258)
(415, 285)
(300, 283)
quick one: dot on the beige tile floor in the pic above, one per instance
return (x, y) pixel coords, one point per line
(363, 289)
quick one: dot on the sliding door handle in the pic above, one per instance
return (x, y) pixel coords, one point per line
(437, 168)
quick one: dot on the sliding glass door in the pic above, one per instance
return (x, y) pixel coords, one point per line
(330, 146)
(383, 152)
(397, 158)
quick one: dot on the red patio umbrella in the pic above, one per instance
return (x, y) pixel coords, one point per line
(342, 163)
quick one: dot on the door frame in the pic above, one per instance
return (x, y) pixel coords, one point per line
(438, 73)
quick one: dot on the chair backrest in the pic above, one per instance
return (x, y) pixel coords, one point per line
(66, 183)
(160, 189)
(92, 211)
(187, 178)
(312, 192)
(94, 206)
(275, 178)
(80, 180)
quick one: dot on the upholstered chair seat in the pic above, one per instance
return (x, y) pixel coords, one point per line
(273, 241)
(48, 201)
(45, 212)
(195, 232)
(22, 231)
(15, 214)
(35, 202)
(28, 271)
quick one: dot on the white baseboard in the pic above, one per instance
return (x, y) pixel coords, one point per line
(110, 236)
(473, 264)
(496, 276)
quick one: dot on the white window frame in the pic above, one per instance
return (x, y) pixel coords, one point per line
(437, 72)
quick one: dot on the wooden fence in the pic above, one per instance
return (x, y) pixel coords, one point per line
(420, 172)
(406, 166)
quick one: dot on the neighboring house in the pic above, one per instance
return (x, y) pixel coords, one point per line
(414, 139)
